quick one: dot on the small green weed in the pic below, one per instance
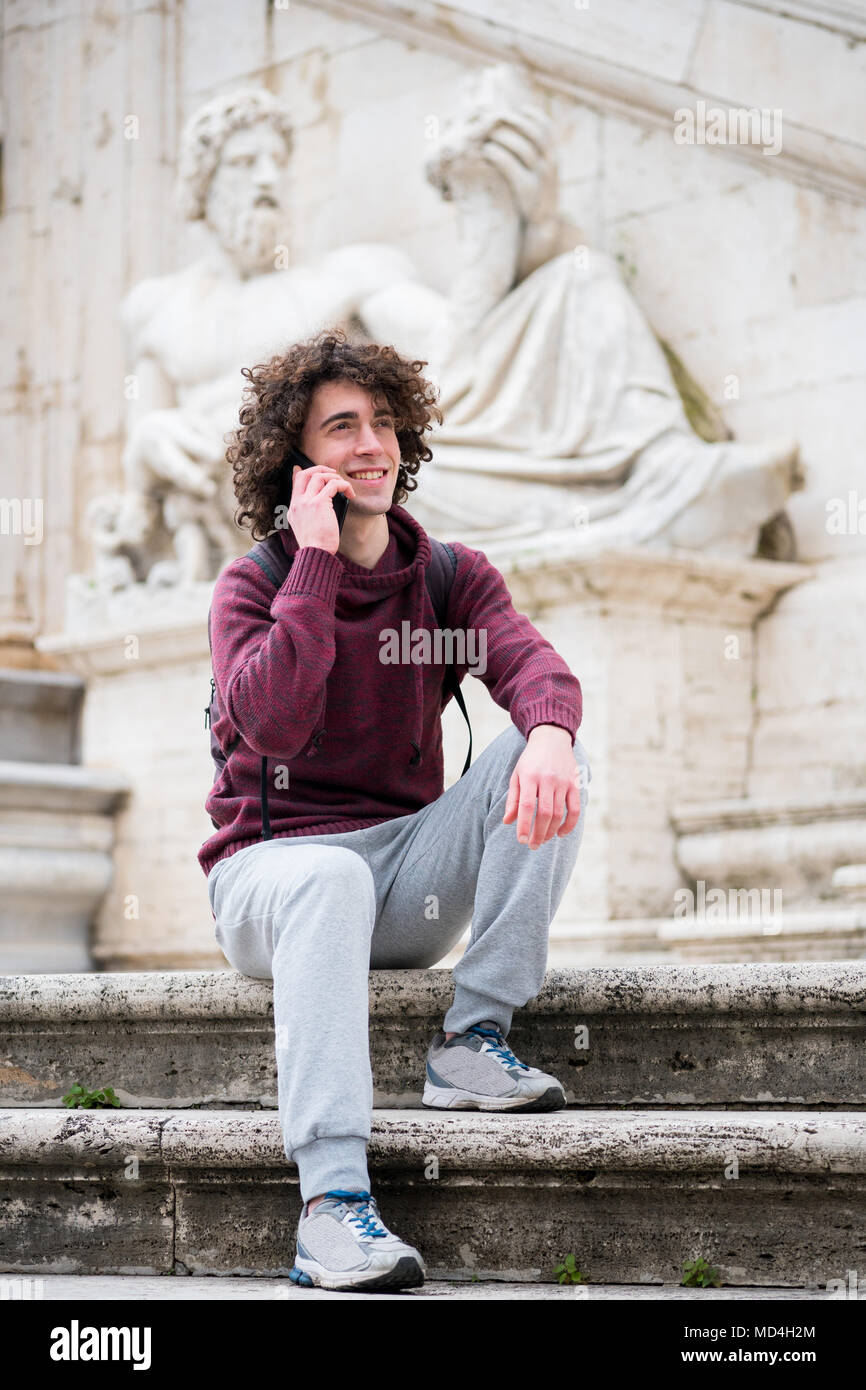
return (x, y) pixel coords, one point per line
(568, 1273)
(79, 1098)
(699, 1275)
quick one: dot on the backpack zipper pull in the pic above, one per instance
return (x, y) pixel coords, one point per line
(207, 707)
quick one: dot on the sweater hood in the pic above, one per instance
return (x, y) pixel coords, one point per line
(403, 565)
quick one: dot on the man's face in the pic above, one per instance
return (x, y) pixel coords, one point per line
(246, 199)
(353, 432)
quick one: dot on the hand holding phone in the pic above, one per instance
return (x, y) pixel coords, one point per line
(313, 486)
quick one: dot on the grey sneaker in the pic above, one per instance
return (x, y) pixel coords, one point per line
(343, 1244)
(476, 1070)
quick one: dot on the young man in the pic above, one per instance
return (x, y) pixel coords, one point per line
(339, 752)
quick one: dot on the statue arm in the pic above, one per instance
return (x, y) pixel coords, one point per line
(163, 441)
(385, 290)
(496, 163)
(366, 268)
(421, 321)
(414, 318)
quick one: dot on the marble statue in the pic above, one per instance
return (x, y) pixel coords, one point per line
(560, 409)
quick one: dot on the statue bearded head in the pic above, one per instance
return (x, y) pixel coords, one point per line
(232, 168)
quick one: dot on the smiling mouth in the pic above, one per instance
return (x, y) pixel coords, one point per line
(265, 200)
(369, 475)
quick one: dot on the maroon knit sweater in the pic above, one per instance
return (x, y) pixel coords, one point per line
(354, 740)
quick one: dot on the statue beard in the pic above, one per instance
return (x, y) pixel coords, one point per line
(251, 235)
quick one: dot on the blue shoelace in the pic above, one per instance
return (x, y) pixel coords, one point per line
(365, 1216)
(500, 1047)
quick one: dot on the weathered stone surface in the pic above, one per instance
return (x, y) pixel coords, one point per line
(118, 1287)
(795, 845)
(739, 1036)
(40, 716)
(835, 934)
(56, 841)
(768, 1199)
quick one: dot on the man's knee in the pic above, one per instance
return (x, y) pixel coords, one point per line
(512, 744)
(340, 872)
(329, 901)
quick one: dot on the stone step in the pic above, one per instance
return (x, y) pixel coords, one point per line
(736, 1036)
(113, 1288)
(766, 1198)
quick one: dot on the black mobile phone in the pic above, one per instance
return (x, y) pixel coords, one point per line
(297, 456)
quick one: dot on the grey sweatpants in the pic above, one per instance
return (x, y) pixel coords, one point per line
(316, 912)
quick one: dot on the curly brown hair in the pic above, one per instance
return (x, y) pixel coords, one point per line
(275, 409)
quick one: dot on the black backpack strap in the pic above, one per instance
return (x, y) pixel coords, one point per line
(440, 576)
(271, 557)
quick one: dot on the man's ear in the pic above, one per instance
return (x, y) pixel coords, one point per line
(296, 455)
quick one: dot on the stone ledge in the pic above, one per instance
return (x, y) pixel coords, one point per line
(747, 813)
(182, 994)
(829, 936)
(631, 1196)
(85, 1288)
(717, 1036)
(678, 583)
(59, 788)
(563, 1144)
(541, 570)
(40, 716)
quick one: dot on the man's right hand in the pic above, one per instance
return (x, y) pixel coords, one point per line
(311, 510)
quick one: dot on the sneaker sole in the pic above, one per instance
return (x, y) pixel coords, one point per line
(436, 1098)
(405, 1274)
